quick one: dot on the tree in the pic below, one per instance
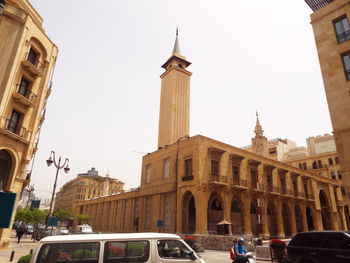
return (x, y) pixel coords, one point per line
(83, 218)
(63, 215)
(38, 216)
(24, 215)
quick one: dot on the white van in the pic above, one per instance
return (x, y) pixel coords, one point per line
(114, 248)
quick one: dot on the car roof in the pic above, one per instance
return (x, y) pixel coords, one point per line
(324, 231)
(101, 237)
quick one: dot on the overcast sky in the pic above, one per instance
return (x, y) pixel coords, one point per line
(245, 55)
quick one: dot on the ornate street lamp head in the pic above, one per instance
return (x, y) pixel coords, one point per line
(66, 169)
(49, 161)
(2, 6)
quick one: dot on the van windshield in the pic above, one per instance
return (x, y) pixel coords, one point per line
(69, 253)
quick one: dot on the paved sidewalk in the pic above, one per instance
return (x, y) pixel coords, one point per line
(21, 249)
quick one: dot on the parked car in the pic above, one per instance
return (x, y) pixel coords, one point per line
(83, 229)
(30, 229)
(63, 231)
(319, 247)
(130, 247)
(48, 232)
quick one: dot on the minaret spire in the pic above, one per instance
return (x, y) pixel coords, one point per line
(258, 129)
(176, 49)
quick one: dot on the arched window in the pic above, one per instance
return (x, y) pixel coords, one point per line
(304, 166)
(314, 165)
(339, 175)
(330, 161)
(319, 163)
(300, 166)
(336, 160)
(333, 175)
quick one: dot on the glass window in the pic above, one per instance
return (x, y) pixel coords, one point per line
(23, 87)
(148, 173)
(214, 167)
(32, 56)
(166, 168)
(124, 251)
(13, 124)
(173, 249)
(342, 29)
(69, 253)
(188, 167)
(346, 64)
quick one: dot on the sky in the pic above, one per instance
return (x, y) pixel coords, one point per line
(104, 107)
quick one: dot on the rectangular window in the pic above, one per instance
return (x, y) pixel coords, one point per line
(342, 29)
(24, 87)
(32, 56)
(188, 167)
(69, 252)
(346, 64)
(148, 173)
(215, 167)
(166, 168)
(14, 122)
(126, 251)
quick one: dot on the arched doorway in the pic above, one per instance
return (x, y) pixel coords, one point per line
(299, 219)
(309, 219)
(324, 210)
(236, 217)
(188, 213)
(5, 169)
(254, 218)
(215, 213)
(286, 220)
(272, 219)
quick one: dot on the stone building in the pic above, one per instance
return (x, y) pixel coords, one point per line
(86, 186)
(190, 184)
(330, 23)
(27, 58)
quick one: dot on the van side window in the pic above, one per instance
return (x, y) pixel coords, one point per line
(69, 252)
(126, 251)
(172, 249)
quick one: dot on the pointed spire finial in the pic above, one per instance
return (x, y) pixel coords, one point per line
(177, 45)
(177, 31)
(258, 129)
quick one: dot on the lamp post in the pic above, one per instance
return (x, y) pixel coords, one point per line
(52, 160)
(30, 189)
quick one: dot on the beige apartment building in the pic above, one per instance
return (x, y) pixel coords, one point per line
(86, 186)
(27, 58)
(330, 23)
(190, 184)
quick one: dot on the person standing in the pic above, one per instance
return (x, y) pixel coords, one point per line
(241, 252)
(20, 233)
(232, 250)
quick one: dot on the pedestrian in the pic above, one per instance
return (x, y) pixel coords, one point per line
(241, 252)
(20, 233)
(232, 250)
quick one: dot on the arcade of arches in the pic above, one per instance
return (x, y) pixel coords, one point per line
(220, 189)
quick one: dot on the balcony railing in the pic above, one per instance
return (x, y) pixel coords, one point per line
(187, 178)
(240, 183)
(217, 179)
(15, 128)
(310, 196)
(273, 189)
(301, 195)
(27, 93)
(318, 4)
(258, 186)
(35, 67)
(342, 37)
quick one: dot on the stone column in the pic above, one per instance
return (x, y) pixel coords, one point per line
(227, 209)
(300, 184)
(279, 219)
(275, 178)
(264, 219)
(333, 211)
(343, 219)
(289, 185)
(293, 222)
(201, 213)
(318, 220)
(303, 214)
(246, 217)
(244, 169)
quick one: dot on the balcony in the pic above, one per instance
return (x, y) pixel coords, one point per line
(318, 4)
(310, 196)
(14, 130)
(259, 187)
(301, 195)
(25, 96)
(286, 192)
(36, 68)
(239, 183)
(187, 178)
(218, 180)
(274, 190)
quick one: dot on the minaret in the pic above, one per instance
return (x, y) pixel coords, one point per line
(259, 142)
(174, 115)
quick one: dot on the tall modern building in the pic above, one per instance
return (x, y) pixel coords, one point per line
(330, 22)
(27, 58)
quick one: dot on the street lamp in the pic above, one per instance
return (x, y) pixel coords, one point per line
(2, 6)
(50, 161)
(29, 189)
